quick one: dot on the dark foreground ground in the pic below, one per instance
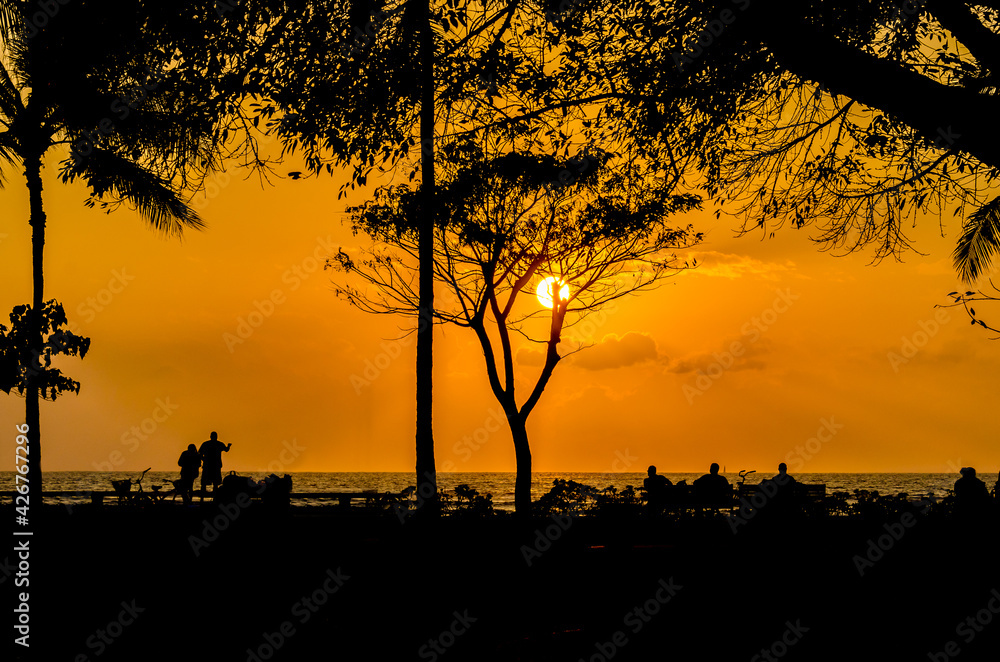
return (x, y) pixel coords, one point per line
(120, 585)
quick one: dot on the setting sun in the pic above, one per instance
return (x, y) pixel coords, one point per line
(545, 288)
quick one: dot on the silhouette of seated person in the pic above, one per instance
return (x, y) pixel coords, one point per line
(971, 494)
(189, 462)
(782, 492)
(712, 488)
(656, 490)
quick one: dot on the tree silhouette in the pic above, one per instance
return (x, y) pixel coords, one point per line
(374, 86)
(596, 224)
(133, 135)
(18, 360)
(853, 118)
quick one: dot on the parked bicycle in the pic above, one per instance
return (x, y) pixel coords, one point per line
(123, 489)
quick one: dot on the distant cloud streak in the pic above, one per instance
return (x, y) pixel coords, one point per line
(609, 353)
(751, 358)
(731, 265)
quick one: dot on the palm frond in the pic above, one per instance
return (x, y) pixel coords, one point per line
(11, 19)
(979, 242)
(8, 152)
(10, 97)
(151, 195)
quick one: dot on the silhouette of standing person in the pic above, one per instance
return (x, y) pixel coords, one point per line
(211, 473)
(189, 463)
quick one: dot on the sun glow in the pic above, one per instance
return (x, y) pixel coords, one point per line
(545, 289)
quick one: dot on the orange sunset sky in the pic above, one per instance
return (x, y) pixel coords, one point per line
(821, 352)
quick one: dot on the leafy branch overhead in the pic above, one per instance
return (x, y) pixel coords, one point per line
(591, 220)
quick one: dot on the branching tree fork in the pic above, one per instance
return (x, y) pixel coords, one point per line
(593, 225)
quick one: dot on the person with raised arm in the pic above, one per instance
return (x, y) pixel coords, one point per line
(211, 473)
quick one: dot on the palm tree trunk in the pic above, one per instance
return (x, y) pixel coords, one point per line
(426, 471)
(33, 175)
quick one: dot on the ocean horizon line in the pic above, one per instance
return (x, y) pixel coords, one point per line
(660, 470)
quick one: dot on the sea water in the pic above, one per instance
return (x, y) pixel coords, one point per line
(499, 485)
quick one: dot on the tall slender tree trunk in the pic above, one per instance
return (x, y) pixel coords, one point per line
(33, 174)
(522, 458)
(426, 471)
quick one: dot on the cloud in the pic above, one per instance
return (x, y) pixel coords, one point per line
(611, 352)
(530, 357)
(751, 356)
(731, 265)
(614, 352)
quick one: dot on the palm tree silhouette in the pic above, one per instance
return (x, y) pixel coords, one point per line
(104, 85)
(979, 242)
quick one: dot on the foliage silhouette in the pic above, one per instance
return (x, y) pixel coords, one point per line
(508, 223)
(380, 87)
(18, 360)
(134, 132)
(855, 118)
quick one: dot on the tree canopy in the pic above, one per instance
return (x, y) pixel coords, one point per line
(581, 232)
(18, 359)
(854, 118)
